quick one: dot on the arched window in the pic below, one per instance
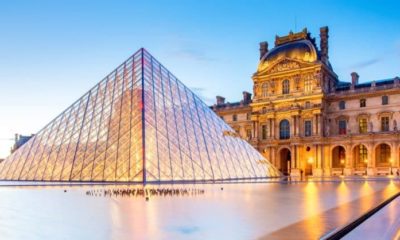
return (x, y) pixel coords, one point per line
(285, 87)
(382, 155)
(264, 90)
(284, 129)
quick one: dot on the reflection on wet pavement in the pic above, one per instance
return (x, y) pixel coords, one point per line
(320, 224)
(224, 211)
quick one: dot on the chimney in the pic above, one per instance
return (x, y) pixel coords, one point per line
(263, 48)
(354, 78)
(220, 100)
(323, 34)
(246, 97)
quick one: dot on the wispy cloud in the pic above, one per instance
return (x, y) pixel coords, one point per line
(200, 93)
(188, 48)
(192, 54)
(367, 63)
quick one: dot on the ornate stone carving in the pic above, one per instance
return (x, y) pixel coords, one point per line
(284, 66)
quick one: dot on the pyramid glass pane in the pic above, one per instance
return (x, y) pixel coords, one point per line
(139, 124)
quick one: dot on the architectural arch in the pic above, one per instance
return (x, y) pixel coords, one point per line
(383, 155)
(360, 156)
(285, 160)
(338, 156)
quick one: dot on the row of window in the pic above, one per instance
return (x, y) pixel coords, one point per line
(363, 126)
(286, 87)
(363, 102)
(284, 127)
(235, 117)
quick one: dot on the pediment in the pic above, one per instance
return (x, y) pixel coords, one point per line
(285, 64)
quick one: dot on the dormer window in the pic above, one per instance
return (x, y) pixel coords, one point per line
(308, 104)
(385, 100)
(363, 102)
(342, 105)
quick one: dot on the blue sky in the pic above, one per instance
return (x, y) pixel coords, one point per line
(51, 52)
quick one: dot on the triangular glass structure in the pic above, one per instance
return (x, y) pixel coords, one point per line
(139, 124)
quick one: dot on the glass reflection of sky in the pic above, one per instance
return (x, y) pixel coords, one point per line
(239, 211)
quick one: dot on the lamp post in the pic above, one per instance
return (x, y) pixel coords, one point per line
(310, 162)
(366, 165)
(342, 164)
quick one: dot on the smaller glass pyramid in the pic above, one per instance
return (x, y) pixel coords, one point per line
(139, 124)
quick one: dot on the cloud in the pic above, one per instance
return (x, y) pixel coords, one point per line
(367, 63)
(200, 93)
(194, 54)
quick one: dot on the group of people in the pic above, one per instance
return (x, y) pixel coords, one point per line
(144, 192)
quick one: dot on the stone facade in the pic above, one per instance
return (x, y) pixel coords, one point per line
(305, 120)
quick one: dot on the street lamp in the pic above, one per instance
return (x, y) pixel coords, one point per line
(366, 165)
(342, 164)
(310, 161)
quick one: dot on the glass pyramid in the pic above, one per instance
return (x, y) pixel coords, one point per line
(139, 124)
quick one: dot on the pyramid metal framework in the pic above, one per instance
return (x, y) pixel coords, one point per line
(139, 124)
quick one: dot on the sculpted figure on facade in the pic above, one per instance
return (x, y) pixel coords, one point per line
(255, 90)
(371, 127)
(394, 125)
(327, 129)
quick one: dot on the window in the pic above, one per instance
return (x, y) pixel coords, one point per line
(307, 85)
(342, 105)
(284, 129)
(363, 103)
(307, 128)
(248, 116)
(264, 132)
(362, 125)
(248, 133)
(308, 104)
(264, 110)
(384, 124)
(363, 154)
(342, 127)
(285, 87)
(384, 155)
(264, 90)
(385, 100)
(234, 117)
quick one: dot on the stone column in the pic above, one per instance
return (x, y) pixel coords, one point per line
(255, 129)
(295, 171)
(396, 158)
(320, 125)
(348, 170)
(371, 160)
(273, 130)
(393, 158)
(317, 171)
(292, 126)
(314, 125)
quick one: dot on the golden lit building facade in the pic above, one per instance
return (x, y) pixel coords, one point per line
(305, 120)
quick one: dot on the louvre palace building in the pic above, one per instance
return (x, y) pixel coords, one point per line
(305, 120)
